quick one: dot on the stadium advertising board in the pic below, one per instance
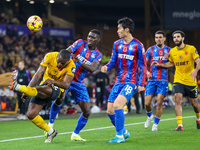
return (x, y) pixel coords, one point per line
(60, 32)
(184, 14)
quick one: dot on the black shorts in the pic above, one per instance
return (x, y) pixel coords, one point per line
(56, 93)
(190, 91)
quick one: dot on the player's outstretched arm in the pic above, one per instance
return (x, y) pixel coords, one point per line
(37, 76)
(164, 65)
(64, 84)
(91, 68)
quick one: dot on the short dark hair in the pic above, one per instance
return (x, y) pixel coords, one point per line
(96, 32)
(65, 54)
(179, 31)
(161, 32)
(127, 23)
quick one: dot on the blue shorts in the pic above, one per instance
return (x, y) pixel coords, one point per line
(79, 92)
(125, 89)
(154, 87)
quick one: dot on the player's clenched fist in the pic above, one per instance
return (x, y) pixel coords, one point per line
(104, 69)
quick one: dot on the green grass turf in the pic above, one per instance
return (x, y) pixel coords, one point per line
(141, 138)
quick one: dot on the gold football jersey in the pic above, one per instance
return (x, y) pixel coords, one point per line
(52, 71)
(184, 62)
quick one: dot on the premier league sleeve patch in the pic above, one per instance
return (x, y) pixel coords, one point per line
(73, 70)
(196, 51)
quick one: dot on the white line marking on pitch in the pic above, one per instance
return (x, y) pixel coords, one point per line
(130, 124)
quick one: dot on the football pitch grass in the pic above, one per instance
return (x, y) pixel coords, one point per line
(24, 135)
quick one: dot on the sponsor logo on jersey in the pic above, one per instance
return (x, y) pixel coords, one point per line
(130, 57)
(85, 61)
(182, 63)
(160, 58)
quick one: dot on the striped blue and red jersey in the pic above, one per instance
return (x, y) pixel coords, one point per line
(154, 53)
(129, 57)
(80, 49)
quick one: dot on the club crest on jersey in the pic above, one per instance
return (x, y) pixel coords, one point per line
(55, 71)
(120, 46)
(180, 57)
(131, 47)
(93, 55)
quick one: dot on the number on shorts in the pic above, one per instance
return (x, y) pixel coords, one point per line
(196, 92)
(56, 88)
(128, 89)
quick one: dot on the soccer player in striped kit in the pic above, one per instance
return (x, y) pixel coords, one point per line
(87, 59)
(157, 83)
(128, 53)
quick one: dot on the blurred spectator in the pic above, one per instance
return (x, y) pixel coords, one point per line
(8, 31)
(101, 79)
(3, 18)
(15, 32)
(24, 77)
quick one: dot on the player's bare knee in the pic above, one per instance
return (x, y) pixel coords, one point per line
(117, 106)
(178, 101)
(159, 104)
(86, 114)
(30, 115)
(147, 104)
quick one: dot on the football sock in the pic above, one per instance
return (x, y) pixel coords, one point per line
(112, 118)
(81, 123)
(74, 134)
(156, 120)
(198, 116)
(50, 131)
(38, 121)
(54, 111)
(119, 121)
(29, 91)
(179, 120)
(149, 113)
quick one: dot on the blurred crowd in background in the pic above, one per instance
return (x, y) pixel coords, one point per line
(32, 48)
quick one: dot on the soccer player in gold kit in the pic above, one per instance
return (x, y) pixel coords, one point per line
(183, 57)
(57, 72)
